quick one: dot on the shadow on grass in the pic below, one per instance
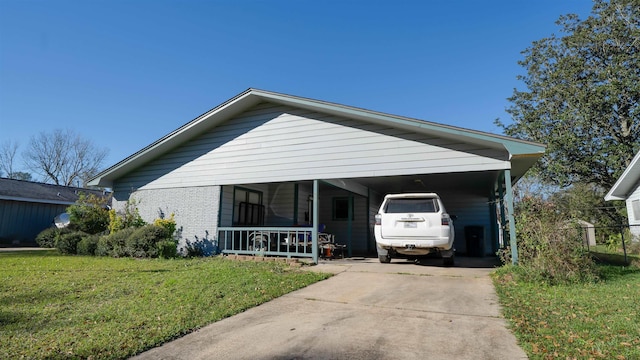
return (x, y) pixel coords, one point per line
(613, 259)
(613, 266)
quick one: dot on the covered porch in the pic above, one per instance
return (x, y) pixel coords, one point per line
(318, 218)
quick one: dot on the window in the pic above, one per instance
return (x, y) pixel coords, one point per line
(341, 208)
(247, 207)
(412, 205)
(635, 206)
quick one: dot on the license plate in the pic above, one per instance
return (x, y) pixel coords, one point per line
(410, 225)
(410, 247)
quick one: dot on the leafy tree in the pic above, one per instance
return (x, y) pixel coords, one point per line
(64, 157)
(583, 95)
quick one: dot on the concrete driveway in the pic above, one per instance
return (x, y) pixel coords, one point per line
(367, 310)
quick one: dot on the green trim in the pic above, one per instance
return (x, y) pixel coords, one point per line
(368, 225)
(220, 199)
(512, 222)
(314, 221)
(350, 225)
(295, 203)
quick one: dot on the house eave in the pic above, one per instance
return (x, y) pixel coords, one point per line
(627, 181)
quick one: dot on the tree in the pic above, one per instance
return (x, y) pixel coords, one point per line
(64, 157)
(583, 96)
(8, 151)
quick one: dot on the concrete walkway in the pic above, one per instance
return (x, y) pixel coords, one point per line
(367, 310)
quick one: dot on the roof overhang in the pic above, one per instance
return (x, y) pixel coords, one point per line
(627, 182)
(522, 153)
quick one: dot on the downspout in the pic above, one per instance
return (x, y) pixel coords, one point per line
(512, 222)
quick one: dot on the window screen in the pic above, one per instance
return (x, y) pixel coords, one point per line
(635, 206)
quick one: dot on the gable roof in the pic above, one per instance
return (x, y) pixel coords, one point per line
(627, 182)
(29, 191)
(522, 153)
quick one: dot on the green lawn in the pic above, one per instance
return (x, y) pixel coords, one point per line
(63, 307)
(585, 321)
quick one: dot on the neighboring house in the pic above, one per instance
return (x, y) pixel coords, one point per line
(628, 188)
(27, 208)
(285, 166)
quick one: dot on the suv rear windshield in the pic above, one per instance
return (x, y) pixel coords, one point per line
(411, 205)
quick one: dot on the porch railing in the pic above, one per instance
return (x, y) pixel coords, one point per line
(269, 241)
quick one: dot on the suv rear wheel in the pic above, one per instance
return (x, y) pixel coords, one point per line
(385, 259)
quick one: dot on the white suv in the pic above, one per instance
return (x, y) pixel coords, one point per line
(413, 225)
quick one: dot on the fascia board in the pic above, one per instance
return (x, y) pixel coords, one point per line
(39, 201)
(626, 182)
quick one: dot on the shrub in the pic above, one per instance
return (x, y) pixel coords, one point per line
(129, 217)
(114, 243)
(143, 241)
(550, 249)
(88, 245)
(193, 248)
(89, 214)
(47, 237)
(67, 243)
(167, 249)
(168, 224)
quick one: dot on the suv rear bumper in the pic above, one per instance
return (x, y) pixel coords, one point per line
(413, 247)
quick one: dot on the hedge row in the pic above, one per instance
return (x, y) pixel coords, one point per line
(148, 241)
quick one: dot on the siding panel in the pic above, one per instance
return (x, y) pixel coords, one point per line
(275, 143)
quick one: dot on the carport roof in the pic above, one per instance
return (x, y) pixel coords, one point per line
(523, 154)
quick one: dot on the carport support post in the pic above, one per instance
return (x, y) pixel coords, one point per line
(512, 222)
(314, 229)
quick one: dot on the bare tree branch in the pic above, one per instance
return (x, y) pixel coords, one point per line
(64, 157)
(8, 151)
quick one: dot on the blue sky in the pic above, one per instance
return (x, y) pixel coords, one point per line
(125, 73)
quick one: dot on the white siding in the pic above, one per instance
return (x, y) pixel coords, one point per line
(195, 210)
(634, 219)
(272, 143)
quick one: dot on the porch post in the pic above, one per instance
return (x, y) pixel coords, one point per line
(503, 219)
(314, 223)
(512, 222)
(350, 224)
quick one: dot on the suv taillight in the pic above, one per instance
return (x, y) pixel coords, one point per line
(446, 220)
(378, 219)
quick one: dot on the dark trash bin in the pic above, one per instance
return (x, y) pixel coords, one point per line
(474, 236)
